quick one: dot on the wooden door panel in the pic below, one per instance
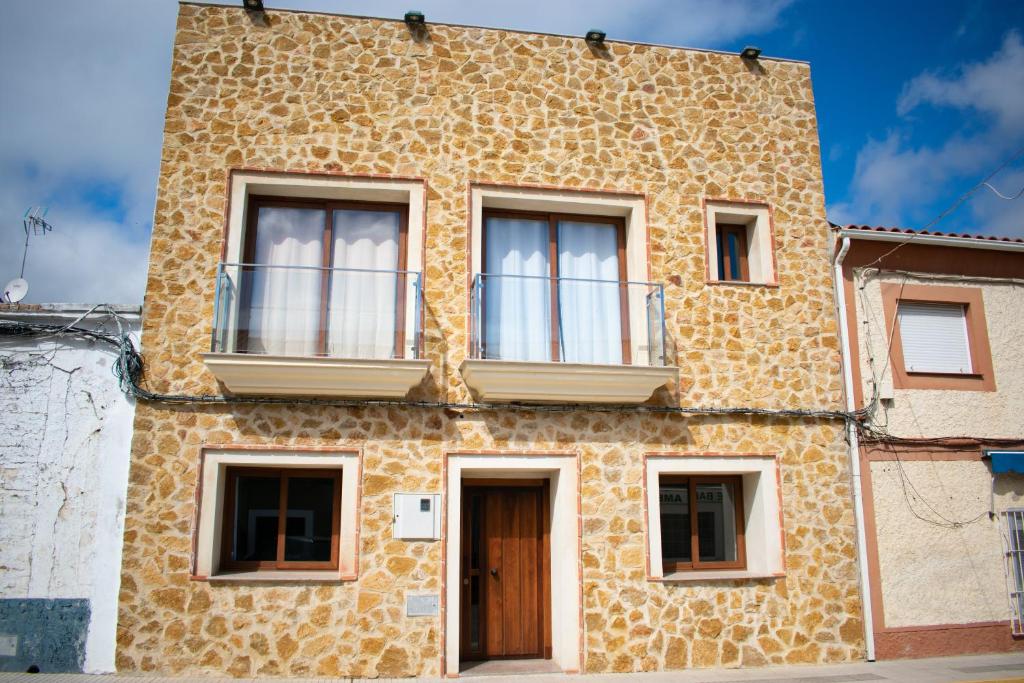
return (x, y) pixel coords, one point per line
(511, 572)
(529, 574)
(494, 599)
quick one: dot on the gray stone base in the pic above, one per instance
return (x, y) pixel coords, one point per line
(49, 634)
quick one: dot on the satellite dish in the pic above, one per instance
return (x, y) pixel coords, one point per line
(15, 290)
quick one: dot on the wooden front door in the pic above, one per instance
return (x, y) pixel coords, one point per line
(505, 569)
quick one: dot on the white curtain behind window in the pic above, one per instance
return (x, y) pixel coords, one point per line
(517, 311)
(589, 312)
(361, 308)
(284, 311)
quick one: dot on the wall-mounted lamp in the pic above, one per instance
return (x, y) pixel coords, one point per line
(750, 52)
(415, 18)
(595, 36)
(253, 5)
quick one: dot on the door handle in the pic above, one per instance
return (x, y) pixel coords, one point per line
(494, 572)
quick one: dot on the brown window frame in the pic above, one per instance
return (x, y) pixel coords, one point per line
(691, 482)
(722, 231)
(552, 220)
(283, 474)
(328, 206)
(982, 377)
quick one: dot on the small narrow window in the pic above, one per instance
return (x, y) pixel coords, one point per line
(281, 519)
(701, 522)
(733, 254)
(934, 338)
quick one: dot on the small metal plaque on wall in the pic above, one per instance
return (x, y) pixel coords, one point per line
(8, 646)
(421, 605)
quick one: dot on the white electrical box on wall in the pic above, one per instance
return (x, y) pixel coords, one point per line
(417, 516)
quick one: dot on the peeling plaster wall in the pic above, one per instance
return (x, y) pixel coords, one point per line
(65, 432)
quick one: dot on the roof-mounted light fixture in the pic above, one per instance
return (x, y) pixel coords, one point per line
(415, 18)
(253, 5)
(750, 52)
(595, 36)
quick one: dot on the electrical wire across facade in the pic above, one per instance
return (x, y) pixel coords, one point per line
(129, 370)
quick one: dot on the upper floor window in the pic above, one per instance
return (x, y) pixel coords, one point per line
(740, 243)
(323, 278)
(554, 288)
(319, 290)
(560, 307)
(934, 337)
(732, 253)
(939, 337)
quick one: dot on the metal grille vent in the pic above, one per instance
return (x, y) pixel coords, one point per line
(1013, 542)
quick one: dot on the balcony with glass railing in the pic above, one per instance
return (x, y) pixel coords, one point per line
(307, 330)
(542, 339)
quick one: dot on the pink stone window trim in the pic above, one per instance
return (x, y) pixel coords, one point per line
(752, 570)
(349, 566)
(773, 281)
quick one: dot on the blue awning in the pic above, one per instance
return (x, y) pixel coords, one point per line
(1007, 461)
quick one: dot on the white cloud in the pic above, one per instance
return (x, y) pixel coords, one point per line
(994, 88)
(898, 183)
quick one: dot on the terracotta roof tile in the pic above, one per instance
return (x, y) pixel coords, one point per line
(936, 233)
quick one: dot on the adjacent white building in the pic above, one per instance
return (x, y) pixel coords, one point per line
(65, 434)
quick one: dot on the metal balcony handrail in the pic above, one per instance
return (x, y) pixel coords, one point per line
(351, 270)
(482, 276)
(226, 304)
(654, 329)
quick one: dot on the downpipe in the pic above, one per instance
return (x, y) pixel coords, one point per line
(854, 441)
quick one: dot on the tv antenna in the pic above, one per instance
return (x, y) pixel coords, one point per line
(34, 222)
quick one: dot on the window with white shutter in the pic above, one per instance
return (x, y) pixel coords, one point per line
(934, 337)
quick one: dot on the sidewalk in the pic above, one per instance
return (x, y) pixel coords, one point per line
(987, 668)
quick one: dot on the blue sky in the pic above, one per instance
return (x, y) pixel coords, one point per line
(916, 101)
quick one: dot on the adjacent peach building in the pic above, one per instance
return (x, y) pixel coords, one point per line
(935, 328)
(478, 344)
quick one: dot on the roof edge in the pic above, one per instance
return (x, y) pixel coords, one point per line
(196, 3)
(932, 239)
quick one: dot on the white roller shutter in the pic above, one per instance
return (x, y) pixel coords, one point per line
(934, 337)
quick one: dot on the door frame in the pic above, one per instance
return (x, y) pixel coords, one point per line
(562, 470)
(543, 574)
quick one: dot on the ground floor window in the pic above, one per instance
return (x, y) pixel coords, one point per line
(281, 518)
(701, 522)
(1015, 567)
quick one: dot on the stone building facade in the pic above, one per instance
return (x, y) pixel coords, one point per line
(674, 146)
(937, 506)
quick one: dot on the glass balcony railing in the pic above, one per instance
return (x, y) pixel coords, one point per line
(314, 311)
(572, 320)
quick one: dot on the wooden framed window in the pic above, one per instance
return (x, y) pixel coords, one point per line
(324, 278)
(555, 288)
(733, 253)
(278, 519)
(702, 524)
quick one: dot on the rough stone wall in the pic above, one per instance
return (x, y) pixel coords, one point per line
(308, 92)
